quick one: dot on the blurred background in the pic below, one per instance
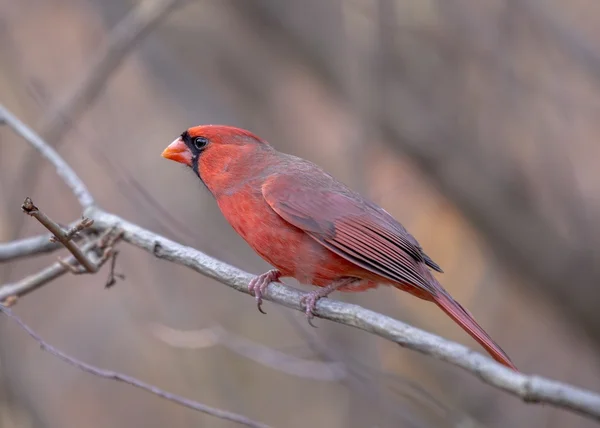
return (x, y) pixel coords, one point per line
(475, 123)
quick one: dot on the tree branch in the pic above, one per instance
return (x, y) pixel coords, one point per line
(63, 169)
(60, 235)
(28, 247)
(109, 374)
(532, 389)
(83, 93)
(529, 388)
(36, 280)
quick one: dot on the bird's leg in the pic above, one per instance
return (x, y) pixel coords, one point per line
(310, 299)
(259, 283)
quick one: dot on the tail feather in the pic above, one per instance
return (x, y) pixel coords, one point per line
(463, 318)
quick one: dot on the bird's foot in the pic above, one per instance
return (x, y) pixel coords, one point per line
(309, 300)
(259, 283)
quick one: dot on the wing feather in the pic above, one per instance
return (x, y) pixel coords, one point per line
(351, 227)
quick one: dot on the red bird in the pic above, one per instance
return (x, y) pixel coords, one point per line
(310, 226)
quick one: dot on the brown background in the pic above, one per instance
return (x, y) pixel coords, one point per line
(473, 122)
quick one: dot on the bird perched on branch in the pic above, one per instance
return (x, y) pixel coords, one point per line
(310, 226)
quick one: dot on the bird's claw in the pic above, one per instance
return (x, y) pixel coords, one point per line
(309, 301)
(259, 305)
(259, 283)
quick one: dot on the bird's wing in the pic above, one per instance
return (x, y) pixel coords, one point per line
(351, 227)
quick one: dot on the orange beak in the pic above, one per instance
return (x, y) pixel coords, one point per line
(177, 151)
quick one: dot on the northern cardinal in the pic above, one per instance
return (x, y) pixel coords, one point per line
(310, 226)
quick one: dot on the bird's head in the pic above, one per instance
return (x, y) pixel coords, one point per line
(215, 152)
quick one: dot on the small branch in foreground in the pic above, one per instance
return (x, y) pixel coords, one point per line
(27, 247)
(112, 275)
(72, 231)
(59, 234)
(108, 374)
(63, 169)
(37, 280)
(85, 264)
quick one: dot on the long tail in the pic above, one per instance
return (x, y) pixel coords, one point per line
(463, 318)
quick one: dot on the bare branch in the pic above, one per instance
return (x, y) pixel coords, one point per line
(81, 96)
(59, 234)
(109, 374)
(43, 277)
(277, 360)
(112, 275)
(71, 232)
(531, 389)
(63, 169)
(32, 282)
(28, 247)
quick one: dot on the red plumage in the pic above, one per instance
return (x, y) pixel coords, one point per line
(310, 226)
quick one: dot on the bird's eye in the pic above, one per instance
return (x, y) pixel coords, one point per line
(200, 143)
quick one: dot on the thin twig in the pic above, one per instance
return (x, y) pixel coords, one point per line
(27, 247)
(29, 208)
(46, 275)
(109, 374)
(63, 169)
(112, 275)
(532, 389)
(74, 230)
